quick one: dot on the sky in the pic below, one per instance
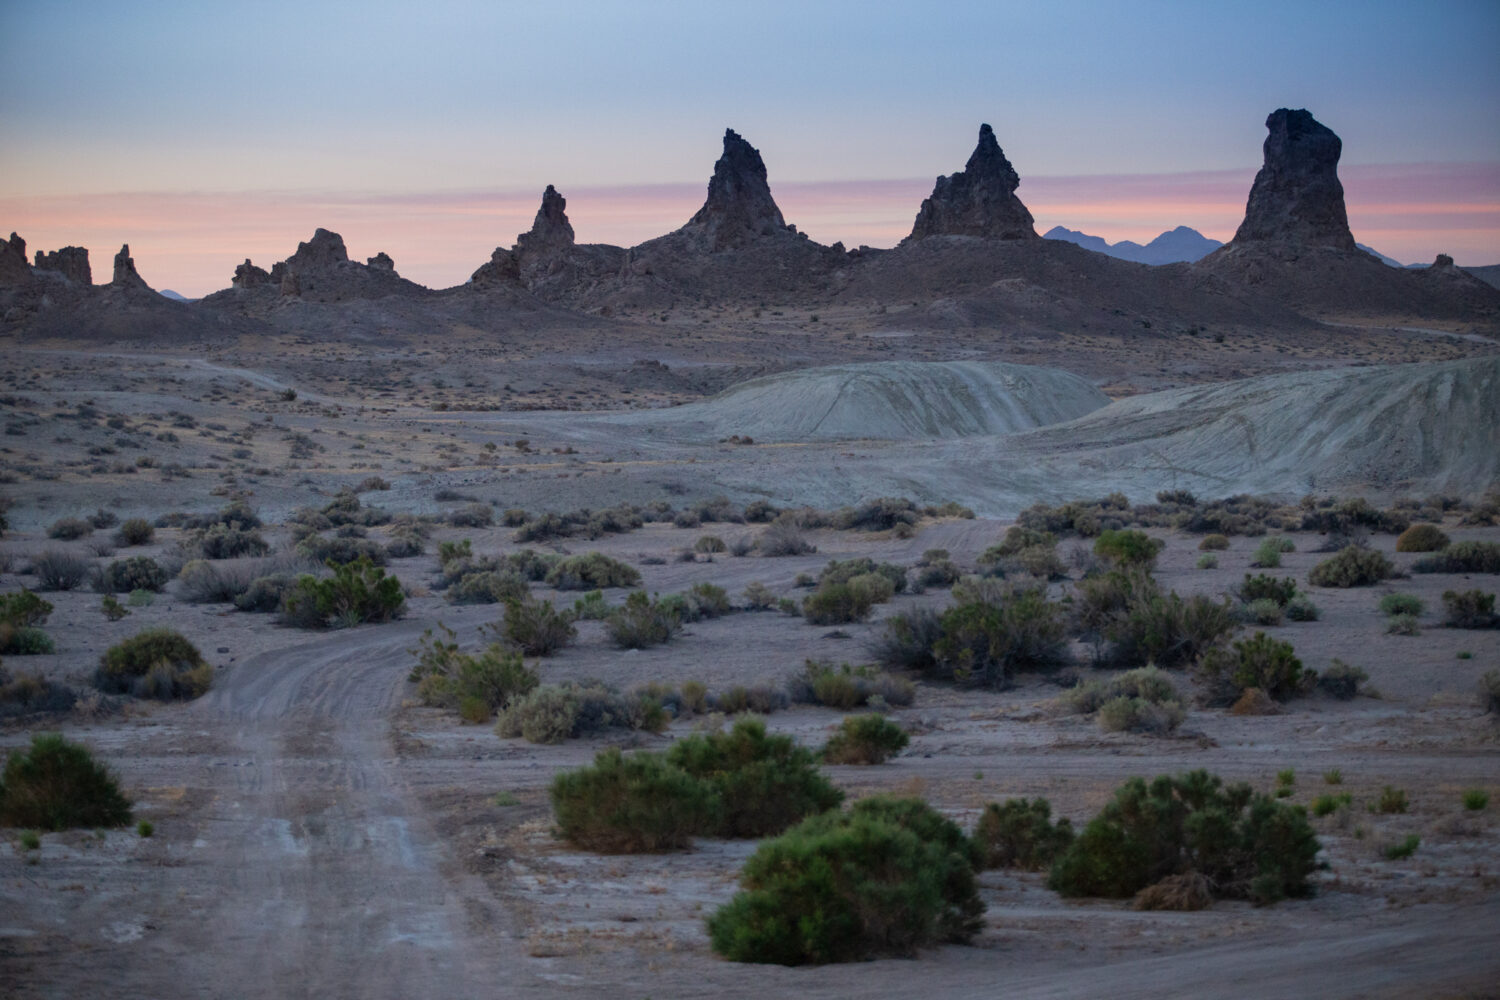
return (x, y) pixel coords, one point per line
(202, 134)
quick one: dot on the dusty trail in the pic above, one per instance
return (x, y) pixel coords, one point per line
(330, 882)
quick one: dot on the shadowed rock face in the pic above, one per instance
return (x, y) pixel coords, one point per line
(551, 230)
(247, 275)
(739, 205)
(1297, 197)
(979, 200)
(14, 268)
(125, 273)
(324, 250)
(71, 262)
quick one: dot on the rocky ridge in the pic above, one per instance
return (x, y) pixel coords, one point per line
(979, 200)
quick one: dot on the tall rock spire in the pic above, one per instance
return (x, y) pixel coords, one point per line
(739, 205)
(1297, 197)
(979, 200)
(551, 230)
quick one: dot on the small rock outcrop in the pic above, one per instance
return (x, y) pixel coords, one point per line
(1442, 263)
(381, 262)
(71, 262)
(502, 269)
(247, 275)
(739, 205)
(979, 200)
(125, 272)
(323, 251)
(551, 230)
(15, 269)
(1297, 198)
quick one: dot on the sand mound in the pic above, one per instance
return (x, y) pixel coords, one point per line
(1400, 429)
(891, 400)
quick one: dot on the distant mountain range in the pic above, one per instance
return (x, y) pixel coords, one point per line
(1174, 246)
(176, 296)
(1180, 244)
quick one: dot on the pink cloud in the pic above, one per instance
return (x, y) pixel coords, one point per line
(191, 242)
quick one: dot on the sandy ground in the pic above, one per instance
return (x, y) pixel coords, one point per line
(319, 833)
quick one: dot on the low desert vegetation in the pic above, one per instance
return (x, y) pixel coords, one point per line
(1144, 700)
(1260, 662)
(58, 785)
(60, 569)
(1421, 538)
(885, 878)
(1461, 557)
(641, 622)
(136, 573)
(593, 571)
(536, 628)
(1246, 845)
(1020, 834)
(1352, 567)
(135, 531)
(356, 593)
(476, 685)
(155, 663)
(865, 739)
(843, 686)
(1469, 609)
(22, 614)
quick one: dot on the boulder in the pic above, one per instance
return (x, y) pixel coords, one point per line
(1297, 198)
(71, 262)
(979, 200)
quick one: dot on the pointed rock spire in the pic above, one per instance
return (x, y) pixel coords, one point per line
(739, 205)
(14, 267)
(979, 200)
(551, 229)
(125, 273)
(1297, 197)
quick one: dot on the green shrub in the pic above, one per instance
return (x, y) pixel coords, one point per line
(135, 531)
(710, 544)
(70, 529)
(1400, 604)
(137, 573)
(625, 805)
(537, 628)
(23, 609)
(58, 569)
(1341, 680)
(1138, 715)
(842, 686)
(1208, 561)
(1268, 554)
(32, 693)
(357, 592)
(221, 541)
(1019, 833)
(1263, 587)
(1127, 547)
(154, 663)
(907, 641)
(1403, 625)
(1403, 848)
(593, 571)
(1325, 805)
(702, 600)
(340, 550)
(145, 828)
(591, 607)
(1421, 538)
(886, 878)
(25, 640)
(112, 608)
(1489, 692)
(764, 783)
(1302, 609)
(1248, 846)
(57, 785)
(987, 644)
(1392, 800)
(265, 593)
(1475, 799)
(1264, 612)
(1257, 662)
(1167, 629)
(1461, 557)
(641, 623)
(1213, 543)
(1352, 567)
(446, 677)
(548, 714)
(837, 604)
(1469, 609)
(865, 739)
(487, 587)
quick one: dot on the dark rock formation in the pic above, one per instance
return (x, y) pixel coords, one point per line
(1442, 263)
(381, 262)
(502, 269)
(15, 269)
(247, 275)
(125, 272)
(739, 206)
(322, 252)
(1297, 197)
(551, 229)
(980, 200)
(71, 262)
